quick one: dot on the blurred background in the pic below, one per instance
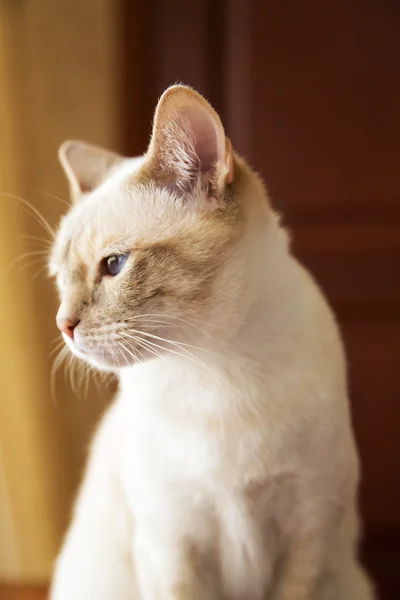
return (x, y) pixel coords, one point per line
(309, 92)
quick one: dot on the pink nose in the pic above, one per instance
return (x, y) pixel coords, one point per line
(66, 326)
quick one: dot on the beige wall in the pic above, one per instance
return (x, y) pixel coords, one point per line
(59, 78)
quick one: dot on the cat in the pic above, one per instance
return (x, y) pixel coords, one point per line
(226, 467)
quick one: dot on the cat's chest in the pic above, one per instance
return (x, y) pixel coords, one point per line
(219, 494)
(172, 437)
(207, 479)
(167, 440)
(197, 455)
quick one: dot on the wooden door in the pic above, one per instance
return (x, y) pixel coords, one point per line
(310, 94)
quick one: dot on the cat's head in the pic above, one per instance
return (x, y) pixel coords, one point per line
(152, 255)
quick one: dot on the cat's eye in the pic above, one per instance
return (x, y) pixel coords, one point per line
(114, 264)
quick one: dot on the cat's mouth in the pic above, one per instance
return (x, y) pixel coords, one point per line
(110, 353)
(102, 356)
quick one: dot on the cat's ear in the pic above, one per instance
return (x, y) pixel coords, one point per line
(86, 166)
(188, 143)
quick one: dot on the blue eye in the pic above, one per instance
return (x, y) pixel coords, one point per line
(114, 263)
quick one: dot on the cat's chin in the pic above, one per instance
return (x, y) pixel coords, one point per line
(109, 358)
(100, 359)
(103, 361)
(116, 360)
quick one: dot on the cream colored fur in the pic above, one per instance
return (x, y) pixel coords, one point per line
(226, 467)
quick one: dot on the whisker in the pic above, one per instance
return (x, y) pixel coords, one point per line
(27, 266)
(163, 317)
(73, 376)
(182, 346)
(33, 211)
(192, 323)
(188, 355)
(68, 365)
(137, 340)
(126, 349)
(111, 351)
(160, 323)
(55, 197)
(84, 377)
(200, 348)
(87, 372)
(37, 239)
(56, 364)
(141, 356)
(25, 255)
(147, 346)
(39, 271)
(59, 345)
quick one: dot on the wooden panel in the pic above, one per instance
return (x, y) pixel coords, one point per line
(374, 376)
(169, 42)
(357, 266)
(137, 66)
(321, 86)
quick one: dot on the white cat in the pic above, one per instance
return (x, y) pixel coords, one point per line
(226, 467)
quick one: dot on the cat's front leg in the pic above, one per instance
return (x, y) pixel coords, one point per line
(95, 562)
(301, 570)
(321, 561)
(310, 546)
(165, 568)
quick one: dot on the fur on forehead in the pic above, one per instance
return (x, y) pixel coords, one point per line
(133, 215)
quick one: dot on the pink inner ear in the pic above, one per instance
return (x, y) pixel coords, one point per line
(205, 137)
